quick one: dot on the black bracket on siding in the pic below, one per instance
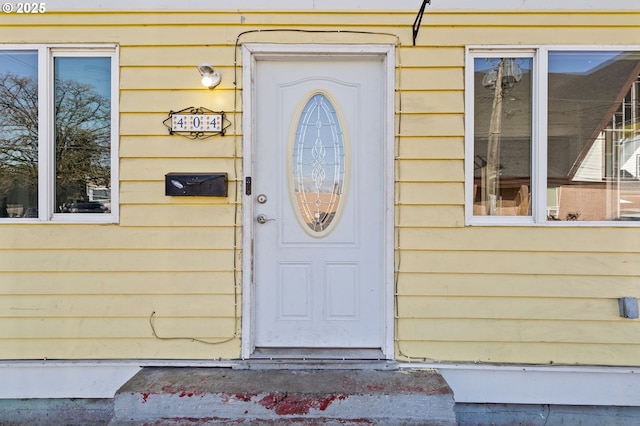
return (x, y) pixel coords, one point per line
(418, 21)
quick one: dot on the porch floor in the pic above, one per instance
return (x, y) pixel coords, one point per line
(284, 396)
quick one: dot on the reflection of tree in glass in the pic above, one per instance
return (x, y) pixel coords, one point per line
(19, 135)
(82, 138)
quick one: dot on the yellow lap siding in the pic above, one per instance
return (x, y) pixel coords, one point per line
(488, 294)
(168, 146)
(185, 215)
(431, 171)
(506, 262)
(145, 347)
(119, 305)
(515, 285)
(434, 216)
(118, 283)
(430, 193)
(521, 353)
(506, 331)
(118, 328)
(433, 148)
(519, 239)
(112, 237)
(165, 100)
(72, 260)
(516, 308)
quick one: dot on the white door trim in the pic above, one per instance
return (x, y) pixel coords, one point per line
(251, 52)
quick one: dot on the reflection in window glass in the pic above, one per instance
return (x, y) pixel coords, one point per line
(18, 134)
(593, 136)
(502, 144)
(82, 134)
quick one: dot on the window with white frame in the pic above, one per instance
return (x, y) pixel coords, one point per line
(58, 134)
(552, 135)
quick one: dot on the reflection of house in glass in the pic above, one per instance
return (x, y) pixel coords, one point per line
(318, 209)
(592, 139)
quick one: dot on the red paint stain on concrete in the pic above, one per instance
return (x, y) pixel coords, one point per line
(145, 396)
(183, 394)
(376, 388)
(246, 397)
(284, 404)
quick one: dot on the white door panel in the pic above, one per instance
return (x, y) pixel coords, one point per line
(318, 160)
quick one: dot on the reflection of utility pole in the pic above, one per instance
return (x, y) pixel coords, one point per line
(493, 147)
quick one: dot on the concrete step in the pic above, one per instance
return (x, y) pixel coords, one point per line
(224, 396)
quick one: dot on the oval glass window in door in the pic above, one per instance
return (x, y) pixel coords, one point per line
(318, 164)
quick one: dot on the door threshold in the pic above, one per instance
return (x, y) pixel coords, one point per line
(291, 364)
(313, 358)
(303, 354)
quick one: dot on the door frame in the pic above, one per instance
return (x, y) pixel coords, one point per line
(253, 52)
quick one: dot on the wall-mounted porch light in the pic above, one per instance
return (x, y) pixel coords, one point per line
(210, 77)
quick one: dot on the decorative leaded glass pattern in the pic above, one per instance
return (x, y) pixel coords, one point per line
(318, 163)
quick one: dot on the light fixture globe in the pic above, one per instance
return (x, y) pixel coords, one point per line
(210, 77)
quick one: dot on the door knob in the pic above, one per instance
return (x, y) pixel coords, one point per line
(262, 218)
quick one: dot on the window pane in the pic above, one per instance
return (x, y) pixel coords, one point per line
(83, 134)
(502, 141)
(18, 134)
(594, 136)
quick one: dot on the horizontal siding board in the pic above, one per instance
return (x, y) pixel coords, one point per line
(113, 238)
(430, 56)
(128, 305)
(156, 100)
(428, 102)
(426, 79)
(442, 125)
(155, 282)
(430, 171)
(117, 328)
(524, 34)
(430, 148)
(148, 168)
(190, 55)
(516, 285)
(519, 239)
(141, 347)
(575, 264)
(433, 18)
(176, 146)
(618, 331)
(194, 215)
(428, 216)
(443, 29)
(583, 309)
(115, 260)
(429, 194)
(521, 353)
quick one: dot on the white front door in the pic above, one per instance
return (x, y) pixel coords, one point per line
(319, 204)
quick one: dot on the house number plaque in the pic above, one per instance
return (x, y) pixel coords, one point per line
(196, 123)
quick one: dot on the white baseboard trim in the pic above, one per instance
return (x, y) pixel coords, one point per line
(76, 379)
(523, 384)
(471, 383)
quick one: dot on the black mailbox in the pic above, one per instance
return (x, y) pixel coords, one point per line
(196, 184)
